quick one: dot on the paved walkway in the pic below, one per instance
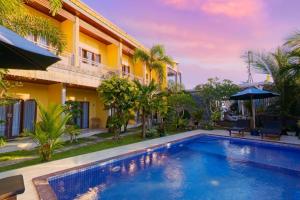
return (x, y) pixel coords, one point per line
(27, 143)
(42, 169)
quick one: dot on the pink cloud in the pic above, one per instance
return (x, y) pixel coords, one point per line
(232, 8)
(229, 8)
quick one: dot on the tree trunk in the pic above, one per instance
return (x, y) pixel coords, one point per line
(144, 124)
(125, 126)
(150, 74)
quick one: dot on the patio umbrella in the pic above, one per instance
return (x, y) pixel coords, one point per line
(18, 53)
(251, 94)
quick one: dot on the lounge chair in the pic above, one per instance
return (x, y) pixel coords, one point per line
(272, 129)
(10, 187)
(240, 127)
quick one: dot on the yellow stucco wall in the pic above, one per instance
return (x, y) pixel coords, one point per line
(55, 93)
(26, 91)
(40, 14)
(96, 107)
(112, 56)
(94, 46)
(67, 29)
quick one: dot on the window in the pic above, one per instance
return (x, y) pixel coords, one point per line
(43, 41)
(125, 69)
(38, 39)
(90, 57)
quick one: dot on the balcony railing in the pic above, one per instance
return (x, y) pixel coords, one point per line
(86, 66)
(84, 62)
(131, 76)
(45, 46)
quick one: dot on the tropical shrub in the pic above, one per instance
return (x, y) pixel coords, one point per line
(151, 133)
(182, 123)
(208, 125)
(180, 105)
(72, 131)
(216, 116)
(198, 115)
(213, 93)
(161, 130)
(73, 108)
(48, 131)
(2, 141)
(119, 96)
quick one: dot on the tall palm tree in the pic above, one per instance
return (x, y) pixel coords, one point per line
(155, 60)
(146, 101)
(273, 64)
(16, 17)
(293, 43)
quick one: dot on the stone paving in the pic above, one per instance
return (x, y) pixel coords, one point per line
(46, 168)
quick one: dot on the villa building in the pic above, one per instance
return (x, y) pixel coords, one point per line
(95, 49)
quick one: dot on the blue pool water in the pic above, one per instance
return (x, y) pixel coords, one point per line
(205, 167)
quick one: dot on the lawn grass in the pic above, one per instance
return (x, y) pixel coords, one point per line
(129, 139)
(110, 143)
(31, 153)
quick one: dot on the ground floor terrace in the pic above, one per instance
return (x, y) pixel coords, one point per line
(32, 172)
(23, 112)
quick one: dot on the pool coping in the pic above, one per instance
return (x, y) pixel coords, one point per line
(45, 192)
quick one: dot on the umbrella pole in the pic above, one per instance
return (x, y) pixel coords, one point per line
(253, 113)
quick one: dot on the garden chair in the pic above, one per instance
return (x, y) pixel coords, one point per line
(239, 128)
(272, 129)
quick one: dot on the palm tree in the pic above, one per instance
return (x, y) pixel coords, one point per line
(146, 100)
(273, 64)
(155, 60)
(49, 130)
(293, 43)
(16, 17)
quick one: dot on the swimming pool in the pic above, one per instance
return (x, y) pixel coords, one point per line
(202, 167)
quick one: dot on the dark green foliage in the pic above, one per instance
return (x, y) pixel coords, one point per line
(207, 125)
(2, 141)
(16, 17)
(118, 95)
(213, 92)
(72, 108)
(286, 84)
(155, 60)
(148, 102)
(180, 107)
(48, 131)
(151, 133)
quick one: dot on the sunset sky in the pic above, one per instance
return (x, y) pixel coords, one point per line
(207, 37)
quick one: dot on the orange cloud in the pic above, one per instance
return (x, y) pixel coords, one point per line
(229, 8)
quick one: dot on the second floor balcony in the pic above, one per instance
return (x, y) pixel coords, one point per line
(87, 72)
